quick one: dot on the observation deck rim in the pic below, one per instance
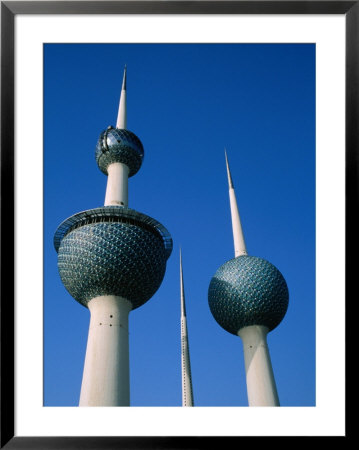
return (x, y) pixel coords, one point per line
(108, 212)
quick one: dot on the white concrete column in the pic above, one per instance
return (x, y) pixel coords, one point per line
(117, 185)
(106, 377)
(261, 388)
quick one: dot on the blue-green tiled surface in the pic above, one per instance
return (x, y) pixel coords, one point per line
(117, 145)
(113, 213)
(248, 290)
(112, 258)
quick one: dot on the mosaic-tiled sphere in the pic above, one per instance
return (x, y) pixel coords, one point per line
(118, 145)
(245, 291)
(112, 251)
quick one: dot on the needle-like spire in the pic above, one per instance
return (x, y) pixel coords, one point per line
(124, 79)
(122, 115)
(230, 181)
(187, 395)
(183, 306)
(238, 238)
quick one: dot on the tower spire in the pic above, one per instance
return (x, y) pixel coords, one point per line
(183, 305)
(122, 115)
(187, 394)
(116, 158)
(238, 237)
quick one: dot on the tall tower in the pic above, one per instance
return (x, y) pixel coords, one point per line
(187, 392)
(112, 259)
(248, 297)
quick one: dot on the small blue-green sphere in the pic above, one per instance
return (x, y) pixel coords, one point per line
(118, 145)
(245, 291)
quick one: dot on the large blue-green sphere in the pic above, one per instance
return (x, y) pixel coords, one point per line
(112, 251)
(118, 145)
(245, 291)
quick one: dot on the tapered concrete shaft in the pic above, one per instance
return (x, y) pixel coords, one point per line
(122, 111)
(187, 393)
(238, 237)
(261, 387)
(106, 378)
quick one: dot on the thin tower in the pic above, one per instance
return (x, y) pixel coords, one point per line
(248, 297)
(112, 259)
(187, 393)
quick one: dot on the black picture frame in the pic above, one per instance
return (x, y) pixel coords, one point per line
(9, 9)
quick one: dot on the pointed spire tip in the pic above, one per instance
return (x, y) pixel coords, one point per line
(230, 181)
(122, 115)
(124, 78)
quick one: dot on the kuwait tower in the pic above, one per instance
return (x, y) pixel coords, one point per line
(112, 260)
(248, 297)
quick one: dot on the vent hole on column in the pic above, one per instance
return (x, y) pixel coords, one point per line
(111, 315)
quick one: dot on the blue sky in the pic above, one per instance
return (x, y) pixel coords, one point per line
(187, 103)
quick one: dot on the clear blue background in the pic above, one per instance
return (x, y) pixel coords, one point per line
(187, 103)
